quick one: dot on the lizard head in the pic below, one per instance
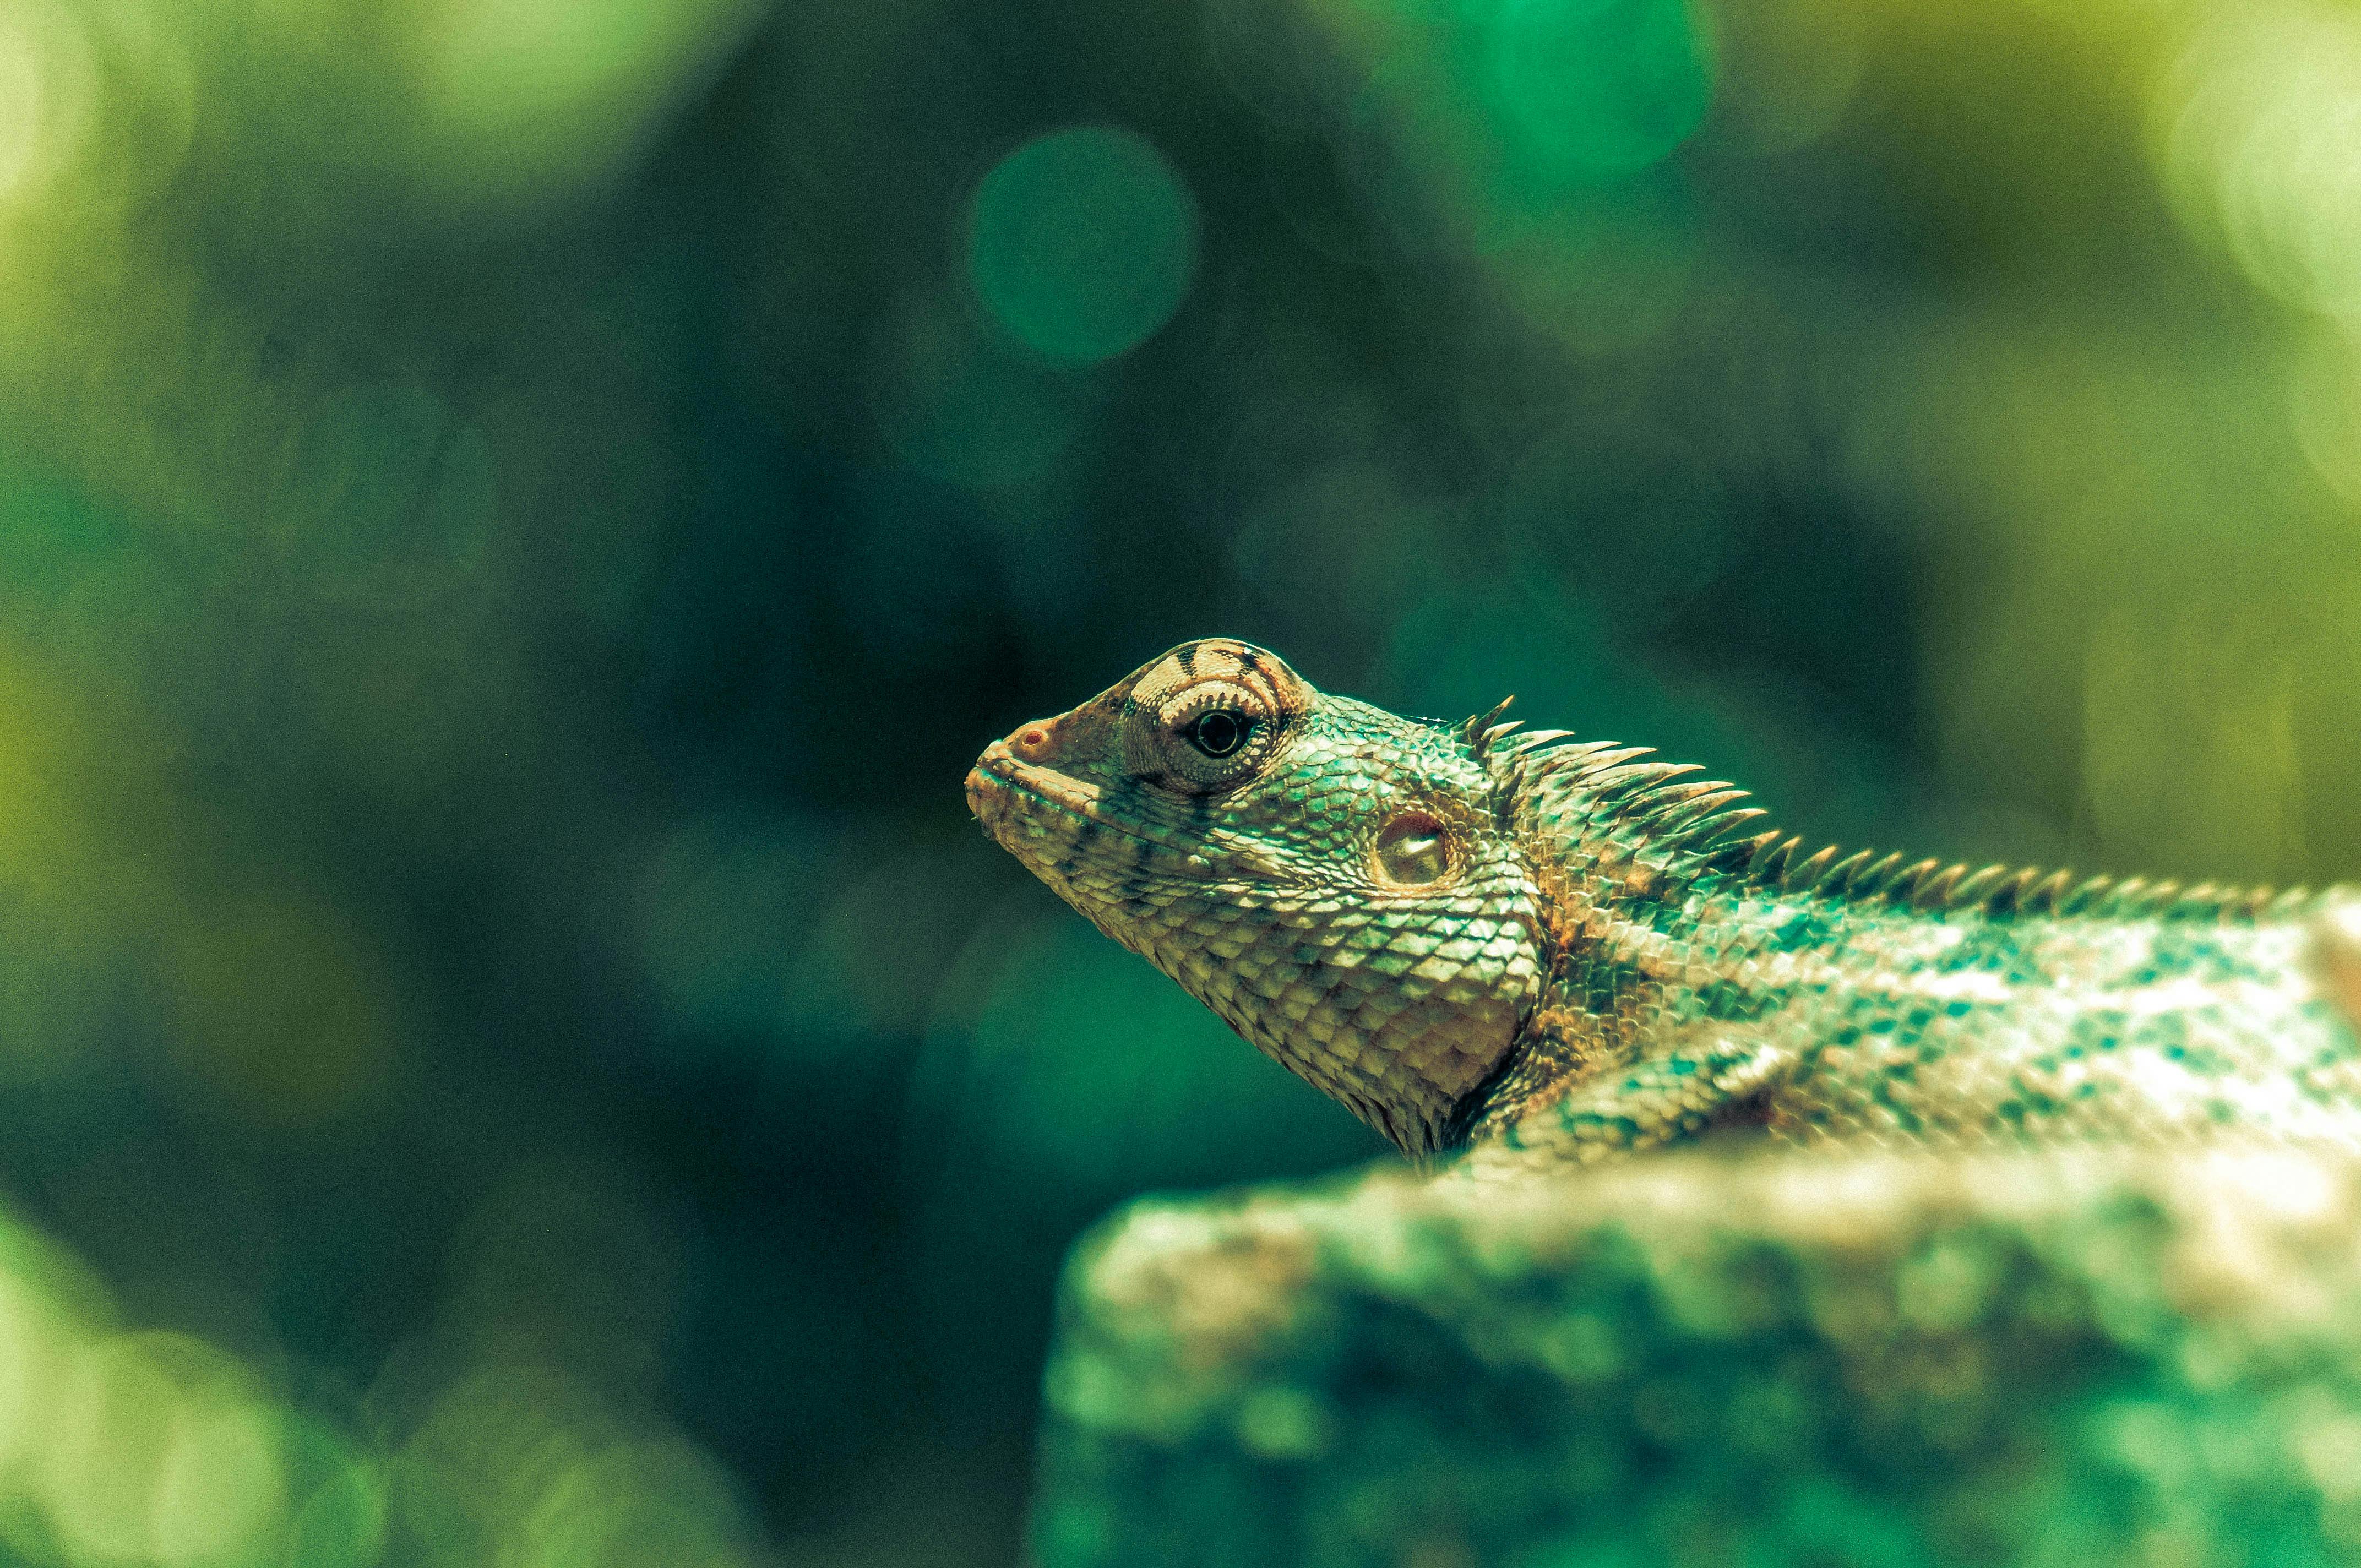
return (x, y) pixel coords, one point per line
(1332, 880)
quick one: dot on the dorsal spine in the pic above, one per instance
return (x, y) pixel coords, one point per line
(1658, 808)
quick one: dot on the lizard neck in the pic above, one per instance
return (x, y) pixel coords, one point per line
(1634, 958)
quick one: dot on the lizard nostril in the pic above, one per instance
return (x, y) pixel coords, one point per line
(1032, 739)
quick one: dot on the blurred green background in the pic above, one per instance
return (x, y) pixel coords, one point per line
(515, 516)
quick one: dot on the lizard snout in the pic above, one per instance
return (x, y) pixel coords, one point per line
(987, 787)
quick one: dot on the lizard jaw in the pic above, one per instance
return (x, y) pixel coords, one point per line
(1031, 811)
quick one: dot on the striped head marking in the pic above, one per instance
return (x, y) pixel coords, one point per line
(1335, 881)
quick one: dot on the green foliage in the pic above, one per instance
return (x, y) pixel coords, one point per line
(1082, 243)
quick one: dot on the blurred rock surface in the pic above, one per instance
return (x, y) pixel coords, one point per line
(1729, 1355)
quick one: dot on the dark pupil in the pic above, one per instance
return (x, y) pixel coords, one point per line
(1218, 733)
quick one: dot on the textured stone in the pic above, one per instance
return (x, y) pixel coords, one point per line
(1716, 1358)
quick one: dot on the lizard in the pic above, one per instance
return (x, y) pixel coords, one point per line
(1481, 939)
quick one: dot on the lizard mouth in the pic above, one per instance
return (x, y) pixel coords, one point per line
(1008, 796)
(1049, 820)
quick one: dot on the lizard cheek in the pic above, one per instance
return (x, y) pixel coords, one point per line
(1413, 851)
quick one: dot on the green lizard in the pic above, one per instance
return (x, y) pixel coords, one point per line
(1545, 947)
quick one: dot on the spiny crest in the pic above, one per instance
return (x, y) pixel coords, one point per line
(1775, 863)
(1642, 807)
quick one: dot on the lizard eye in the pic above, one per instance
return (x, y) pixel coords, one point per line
(1214, 736)
(1219, 733)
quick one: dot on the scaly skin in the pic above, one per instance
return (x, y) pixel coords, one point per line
(1556, 950)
